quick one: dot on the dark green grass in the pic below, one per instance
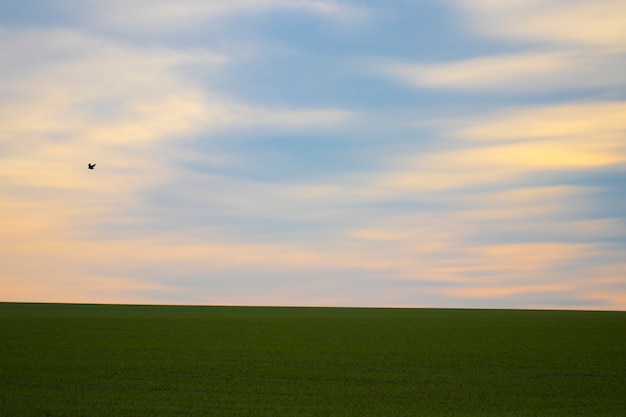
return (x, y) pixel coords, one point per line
(92, 360)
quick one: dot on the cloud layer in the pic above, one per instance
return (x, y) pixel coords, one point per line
(489, 177)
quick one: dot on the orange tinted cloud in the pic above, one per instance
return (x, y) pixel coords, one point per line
(505, 147)
(597, 23)
(482, 292)
(602, 121)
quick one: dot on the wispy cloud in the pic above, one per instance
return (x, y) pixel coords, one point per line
(520, 73)
(83, 97)
(226, 181)
(87, 99)
(589, 23)
(506, 146)
(559, 46)
(602, 120)
(165, 15)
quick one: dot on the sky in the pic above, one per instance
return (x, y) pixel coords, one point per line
(396, 153)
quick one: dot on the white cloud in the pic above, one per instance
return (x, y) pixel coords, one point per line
(531, 72)
(167, 15)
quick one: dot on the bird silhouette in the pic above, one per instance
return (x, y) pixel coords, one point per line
(90, 166)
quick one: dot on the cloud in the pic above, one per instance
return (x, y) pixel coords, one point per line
(451, 258)
(586, 23)
(525, 157)
(524, 205)
(496, 223)
(478, 292)
(520, 73)
(507, 146)
(567, 46)
(74, 98)
(99, 270)
(75, 85)
(603, 121)
(165, 15)
(488, 209)
(592, 286)
(81, 97)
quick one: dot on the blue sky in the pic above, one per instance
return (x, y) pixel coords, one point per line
(314, 152)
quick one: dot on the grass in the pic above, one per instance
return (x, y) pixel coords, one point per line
(98, 360)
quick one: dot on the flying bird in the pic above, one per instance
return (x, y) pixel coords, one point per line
(90, 166)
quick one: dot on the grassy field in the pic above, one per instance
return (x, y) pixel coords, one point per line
(95, 360)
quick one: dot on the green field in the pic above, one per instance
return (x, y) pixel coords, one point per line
(97, 360)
